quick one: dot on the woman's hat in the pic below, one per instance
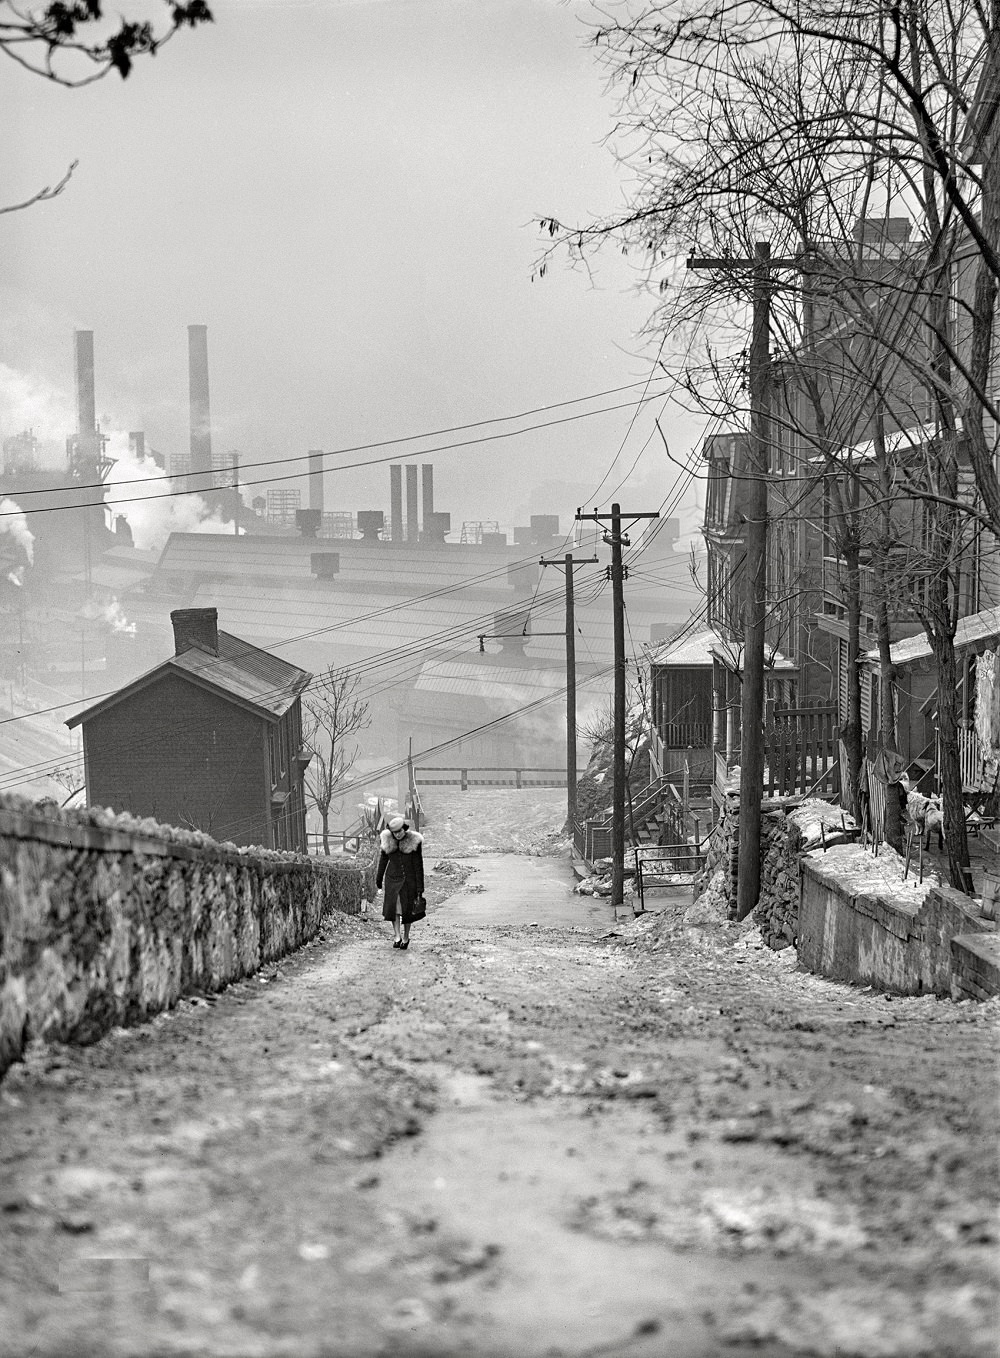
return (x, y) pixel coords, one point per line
(397, 823)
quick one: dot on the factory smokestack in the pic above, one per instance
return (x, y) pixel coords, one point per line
(201, 416)
(396, 504)
(86, 404)
(412, 526)
(316, 479)
(427, 488)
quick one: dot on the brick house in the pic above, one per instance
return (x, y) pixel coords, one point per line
(210, 739)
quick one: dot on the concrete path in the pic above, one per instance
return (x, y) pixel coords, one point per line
(512, 888)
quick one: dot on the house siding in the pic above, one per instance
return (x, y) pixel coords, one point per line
(184, 756)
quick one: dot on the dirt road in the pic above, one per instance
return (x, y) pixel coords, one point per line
(657, 1139)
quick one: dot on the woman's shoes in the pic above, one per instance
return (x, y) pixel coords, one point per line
(405, 944)
(398, 943)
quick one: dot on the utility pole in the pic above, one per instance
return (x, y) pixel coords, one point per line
(568, 562)
(755, 568)
(236, 493)
(616, 540)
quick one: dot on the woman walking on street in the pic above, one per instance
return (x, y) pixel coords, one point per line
(401, 867)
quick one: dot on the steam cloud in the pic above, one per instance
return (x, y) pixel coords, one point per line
(32, 403)
(153, 520)
(14, 525)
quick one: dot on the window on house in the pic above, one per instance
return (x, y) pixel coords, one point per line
(272, 755)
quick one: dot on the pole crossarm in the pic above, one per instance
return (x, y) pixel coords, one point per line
(571, 560)
(729, 262)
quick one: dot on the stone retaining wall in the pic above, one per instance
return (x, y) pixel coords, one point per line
(906, 947)
(106, 919)
(777, 907)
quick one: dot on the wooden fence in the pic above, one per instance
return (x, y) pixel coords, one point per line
(801, 754)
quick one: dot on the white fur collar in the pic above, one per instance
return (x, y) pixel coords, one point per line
(410, 842)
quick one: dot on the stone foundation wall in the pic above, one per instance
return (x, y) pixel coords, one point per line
(777, 908)
(105, 920)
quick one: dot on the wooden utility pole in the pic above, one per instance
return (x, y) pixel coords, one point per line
(568, 562)
(236, 493)
(755, 569)
(616, 540)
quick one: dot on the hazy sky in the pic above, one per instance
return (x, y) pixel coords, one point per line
(345, 192)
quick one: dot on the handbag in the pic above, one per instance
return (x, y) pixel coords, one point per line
(419, 910)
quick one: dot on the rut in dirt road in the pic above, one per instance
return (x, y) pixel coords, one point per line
(513, 1139)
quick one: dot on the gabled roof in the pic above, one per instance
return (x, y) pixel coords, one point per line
(245, 674)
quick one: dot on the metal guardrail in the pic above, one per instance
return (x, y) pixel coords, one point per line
(489, 776)
(667, 860)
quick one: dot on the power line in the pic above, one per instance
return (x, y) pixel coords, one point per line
(293, 476)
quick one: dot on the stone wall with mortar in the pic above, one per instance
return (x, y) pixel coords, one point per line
(905, 947)
(777, 908)
(941, 945)
(105, 919)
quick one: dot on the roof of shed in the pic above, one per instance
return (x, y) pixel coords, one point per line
(241, 672)
(693, 649)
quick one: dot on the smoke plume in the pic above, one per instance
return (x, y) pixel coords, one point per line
(14, 528)
(152, 520)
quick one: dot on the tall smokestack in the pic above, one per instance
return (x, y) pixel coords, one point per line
(201, 416)
(137, 444)
(316, 479)
(86, 404)
(412, 525)
(396, 504)
(427, 487)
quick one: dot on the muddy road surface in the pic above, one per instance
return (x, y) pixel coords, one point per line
(519, 1137)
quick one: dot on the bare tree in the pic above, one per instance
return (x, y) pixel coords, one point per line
(71, 43)
(333, 713)
(805, 126)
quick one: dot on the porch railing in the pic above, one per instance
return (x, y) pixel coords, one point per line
(970, 760)
(685, 734)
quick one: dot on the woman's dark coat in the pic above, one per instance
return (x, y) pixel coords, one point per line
(401, 866)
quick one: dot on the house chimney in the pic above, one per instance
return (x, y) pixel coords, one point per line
(201, 417)
(86, 405)
(195, 627)
(316, 479)
(412, 525)
(427, 489)
(396, 506)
